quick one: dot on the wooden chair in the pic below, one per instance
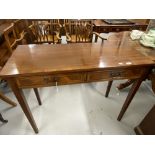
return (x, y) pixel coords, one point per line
(11, 38)
(20, 27)
(7, 100)
(2, 119)
(12, 42)
(80, 31)
(45, 31)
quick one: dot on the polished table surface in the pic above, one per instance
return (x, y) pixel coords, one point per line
(119, 51)
(32, 66)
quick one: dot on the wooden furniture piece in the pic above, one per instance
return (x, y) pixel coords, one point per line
(7, 100)
(101, 26)
(149, 52)
(12, 42)
(4, 23)
(11, 39)
(151, 24)
(125, 84)
(45, 31)
(147, 125)
(6, 45)
(46, 65)
(78, 31)
(81, 31)
(20, 27)
(4, 53)
(2, 119)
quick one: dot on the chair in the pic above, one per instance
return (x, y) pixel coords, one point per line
(20, 27)
(80, 31)
(2, 119)
(44, 31)
(11, 38)
(12, 42)
(7, 100)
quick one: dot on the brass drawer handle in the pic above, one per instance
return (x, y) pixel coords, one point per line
(51, 79)
(115, 73)
(117, 29)
(47, 79)
(55, 79)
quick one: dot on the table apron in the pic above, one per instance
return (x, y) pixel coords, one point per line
(78, 77)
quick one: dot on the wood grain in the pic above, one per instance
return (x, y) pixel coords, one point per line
(40, 59)
(44, 65)
(101, 26)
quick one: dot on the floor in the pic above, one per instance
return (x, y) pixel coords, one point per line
(78, 109)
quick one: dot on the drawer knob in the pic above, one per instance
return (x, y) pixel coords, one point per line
(55, 79)
(51, 79)
(115, 73)
(47, 79)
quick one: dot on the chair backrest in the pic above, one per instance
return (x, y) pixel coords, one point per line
(11, 38)
(55, 24)
(66, 21)
(20, 26)
(44, 31)
(79, 30)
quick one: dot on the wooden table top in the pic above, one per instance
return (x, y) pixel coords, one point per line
(118, 51)
(100, 22)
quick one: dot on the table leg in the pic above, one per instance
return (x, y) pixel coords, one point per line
(132, 93)
(108, 88)
(37, 95)
(23, 103)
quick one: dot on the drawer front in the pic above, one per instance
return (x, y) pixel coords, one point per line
(116, 29)
(104, 29)
(140, 27)
(119, 29)
(101, 29)
(50, 80)
(114, 74)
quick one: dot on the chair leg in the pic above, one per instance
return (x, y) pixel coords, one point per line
(96, 38)
(2, 119)
(7, 100)
(125, 84)
(37, 95)
(108, 88)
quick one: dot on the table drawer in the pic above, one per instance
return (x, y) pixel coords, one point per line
(114, 74)
(49, 80)
(101, 29)
(116, 29)
(104, 29)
